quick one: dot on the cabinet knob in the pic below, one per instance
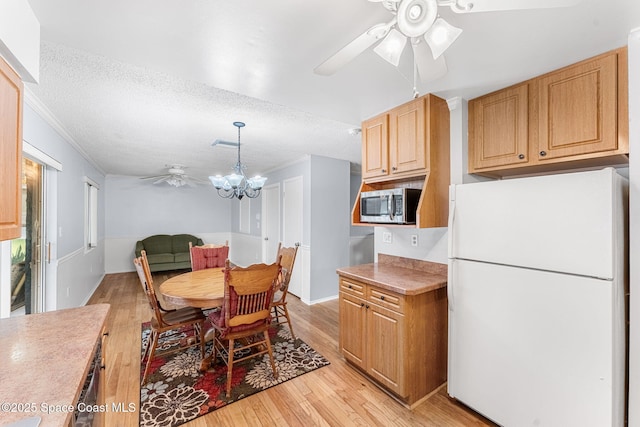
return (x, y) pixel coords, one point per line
(361, 304)
(349, 286)
(367, 306)
(521, 156)
(382, 297)
(543, 153)
(394, 168)
(384, 171)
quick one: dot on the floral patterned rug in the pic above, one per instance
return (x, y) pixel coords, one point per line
(177, 392)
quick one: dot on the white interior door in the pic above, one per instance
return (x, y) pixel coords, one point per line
(270, 222)
(292, 225)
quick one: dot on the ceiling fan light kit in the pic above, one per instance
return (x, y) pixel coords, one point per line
(419, 20)
(440, 36)
(175, 177)
(390, 49)
(237, 184)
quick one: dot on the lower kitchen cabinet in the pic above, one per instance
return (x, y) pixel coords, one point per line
(399, 341)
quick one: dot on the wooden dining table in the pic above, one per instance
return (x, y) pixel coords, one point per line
(201, 288)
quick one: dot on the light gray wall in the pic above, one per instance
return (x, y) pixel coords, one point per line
(330, 224)
(136, 208)
(70, 181)
(78, 271)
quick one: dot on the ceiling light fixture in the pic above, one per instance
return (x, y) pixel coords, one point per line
(440, 36)
(237, 184)
(416, 19)
(390, 49)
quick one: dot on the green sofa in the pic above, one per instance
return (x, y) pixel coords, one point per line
(166, 252)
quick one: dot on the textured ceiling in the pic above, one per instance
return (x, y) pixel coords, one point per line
(141, 84)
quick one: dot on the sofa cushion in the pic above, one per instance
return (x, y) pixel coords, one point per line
(183, 257)
(161, 258)
(158, 244)
(180, 243)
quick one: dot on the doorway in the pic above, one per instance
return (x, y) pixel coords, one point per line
(270, 222)
(292, 190)
(27, 251)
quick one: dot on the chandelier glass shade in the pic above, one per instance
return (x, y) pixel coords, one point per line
(237, 184)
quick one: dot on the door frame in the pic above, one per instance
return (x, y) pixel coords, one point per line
(49, 222)
(264, 216)
(297, 282)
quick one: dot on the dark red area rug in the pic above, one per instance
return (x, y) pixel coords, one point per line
(177, 392)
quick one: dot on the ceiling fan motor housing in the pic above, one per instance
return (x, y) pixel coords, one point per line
(415, 17)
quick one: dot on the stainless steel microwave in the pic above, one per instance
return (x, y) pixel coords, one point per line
(390, 206)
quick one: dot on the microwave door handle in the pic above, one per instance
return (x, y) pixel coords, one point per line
(391, 207)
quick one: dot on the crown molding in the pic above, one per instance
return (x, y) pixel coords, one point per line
(454, 103)
(41, 110)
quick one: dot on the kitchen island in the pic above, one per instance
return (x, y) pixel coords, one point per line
(393, 324)
(45, 360)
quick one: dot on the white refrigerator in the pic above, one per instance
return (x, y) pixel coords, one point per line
(536, 290)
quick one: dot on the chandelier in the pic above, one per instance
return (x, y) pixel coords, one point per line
(237, 184)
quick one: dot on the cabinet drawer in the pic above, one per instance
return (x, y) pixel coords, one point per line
(386, 299)
(352, 287)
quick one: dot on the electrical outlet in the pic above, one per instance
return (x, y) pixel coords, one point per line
(387, 237)
(414, 240)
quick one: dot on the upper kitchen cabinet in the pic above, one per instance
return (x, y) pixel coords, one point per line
(375, 142)
(579, 108)
(499, 128)
(395, 145)
(408, 138)
(10, 152)
(574, 117)
(408, 146)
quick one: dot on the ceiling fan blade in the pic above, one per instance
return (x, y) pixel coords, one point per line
(353, 49)
(473, 6)
(163, 179)
(195, 180)
(429, 69)
(152, 177)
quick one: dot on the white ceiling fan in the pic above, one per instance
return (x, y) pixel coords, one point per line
(430, 35)
(176, 177)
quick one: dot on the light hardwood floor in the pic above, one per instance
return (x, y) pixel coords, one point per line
(335, 395)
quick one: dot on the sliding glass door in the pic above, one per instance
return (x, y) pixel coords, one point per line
(28, 251)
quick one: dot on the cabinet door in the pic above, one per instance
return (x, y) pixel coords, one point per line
(352, 328)
(499, 128)
(10, 152)
(375, 147)
(578, 109)
(407, 138)
(386, 348)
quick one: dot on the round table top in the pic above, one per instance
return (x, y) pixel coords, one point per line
(201, 288)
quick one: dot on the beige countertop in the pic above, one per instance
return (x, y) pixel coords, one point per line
(404, 276)
(44, 359)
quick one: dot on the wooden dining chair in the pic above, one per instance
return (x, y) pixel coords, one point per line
(208, 256)
(176, 323)
(245, 314)
(279, 308)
